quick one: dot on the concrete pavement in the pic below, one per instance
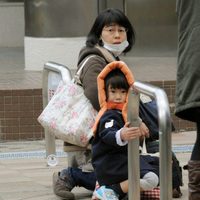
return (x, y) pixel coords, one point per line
(24, 174)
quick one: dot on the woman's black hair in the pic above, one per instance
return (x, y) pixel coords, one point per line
(116, 80)
(105, 18)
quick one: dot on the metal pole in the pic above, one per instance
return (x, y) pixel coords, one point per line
(66, 76)
(133, 150)
(49, 139)
(164, 137)
(102, 5)
(125, 7)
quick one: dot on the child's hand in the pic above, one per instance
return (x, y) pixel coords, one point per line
(144, 130)
(129, 133)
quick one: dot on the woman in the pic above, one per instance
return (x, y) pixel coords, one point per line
(111, 35)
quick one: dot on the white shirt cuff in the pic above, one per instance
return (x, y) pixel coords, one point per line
(119, 140)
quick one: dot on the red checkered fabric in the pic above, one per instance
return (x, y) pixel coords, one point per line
(150, 194)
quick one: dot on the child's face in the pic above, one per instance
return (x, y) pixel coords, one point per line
(116, 95)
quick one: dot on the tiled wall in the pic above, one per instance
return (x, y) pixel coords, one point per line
(19, 110)
(169, 87)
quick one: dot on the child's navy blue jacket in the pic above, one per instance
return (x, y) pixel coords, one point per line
(110, 160)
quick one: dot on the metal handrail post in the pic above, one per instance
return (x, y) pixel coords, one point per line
(65, 76)
(49, 139)
(164, 141)
(133, 149)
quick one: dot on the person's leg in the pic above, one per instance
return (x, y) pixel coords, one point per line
(105, 193)
(149, 181)
(153, 147)
(83, 179)
(62, 186)
(120, 190)
(67, 179)
(177, 179)
(196, 150)
(111, 192)
(194, 169)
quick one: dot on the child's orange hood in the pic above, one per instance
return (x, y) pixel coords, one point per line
(101, 88)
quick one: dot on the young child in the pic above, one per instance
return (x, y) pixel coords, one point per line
(112, 133)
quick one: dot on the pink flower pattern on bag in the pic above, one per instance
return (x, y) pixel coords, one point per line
(74, 115)
(72, 90)
(53, 124)
(69, 115)
(83, 138)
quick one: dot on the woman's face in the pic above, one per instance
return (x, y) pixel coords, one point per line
(114, 34)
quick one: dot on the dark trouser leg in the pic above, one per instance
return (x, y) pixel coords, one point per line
(194, 169)
(83, 179)
(196, 150)
(194, 179)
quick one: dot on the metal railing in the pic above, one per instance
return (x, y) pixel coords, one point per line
(133, 154)
(164, 142)
(61, 72)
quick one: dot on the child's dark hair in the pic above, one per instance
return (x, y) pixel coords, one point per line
(117, 80)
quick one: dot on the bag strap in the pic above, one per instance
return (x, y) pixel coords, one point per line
(76, 78)
(144, 148)
(107, 55)
(81, 67)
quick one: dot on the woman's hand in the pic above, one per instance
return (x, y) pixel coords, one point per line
(128, 133)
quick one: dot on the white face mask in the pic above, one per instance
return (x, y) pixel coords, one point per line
(116, 49)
